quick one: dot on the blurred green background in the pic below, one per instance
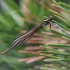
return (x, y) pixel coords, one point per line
(51, 45)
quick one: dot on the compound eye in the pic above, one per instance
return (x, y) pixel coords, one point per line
(52, 17)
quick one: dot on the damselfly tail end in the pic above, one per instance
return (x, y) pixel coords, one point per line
(5, 51)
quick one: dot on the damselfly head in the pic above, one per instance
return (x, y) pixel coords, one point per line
(47, 21)
(51, 18)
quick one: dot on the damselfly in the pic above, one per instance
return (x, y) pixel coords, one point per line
(28, 34)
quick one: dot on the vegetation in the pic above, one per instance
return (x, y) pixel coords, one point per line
(49, 48)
